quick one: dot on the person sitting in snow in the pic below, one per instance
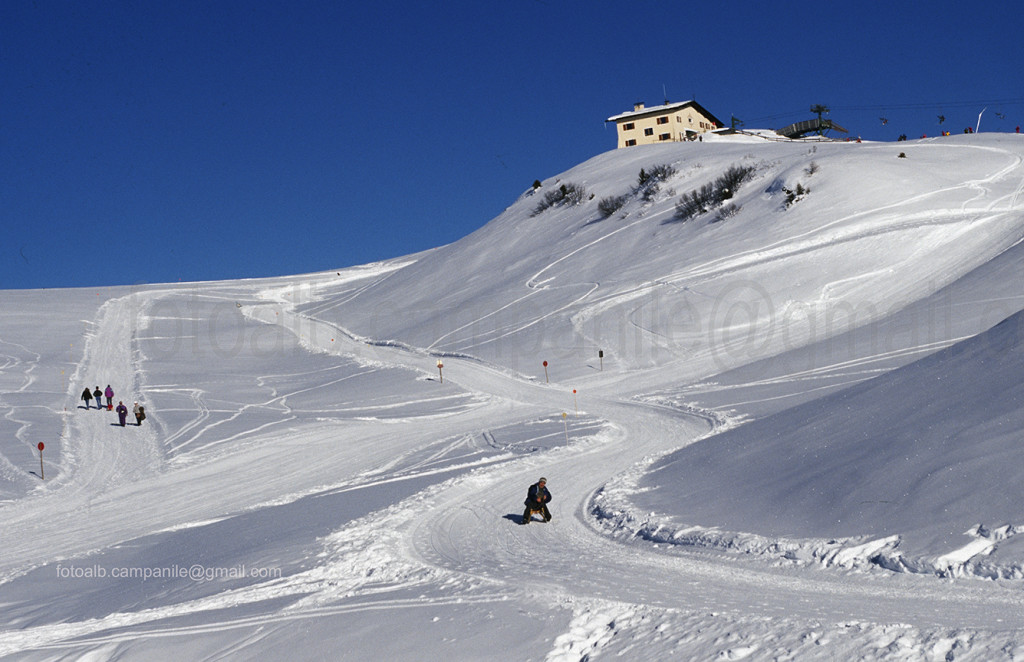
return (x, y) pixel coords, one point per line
(537, 499)
(122, 412)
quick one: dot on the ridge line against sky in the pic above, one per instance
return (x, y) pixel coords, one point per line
(164, 142)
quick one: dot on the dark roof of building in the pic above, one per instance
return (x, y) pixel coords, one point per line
(665, 108)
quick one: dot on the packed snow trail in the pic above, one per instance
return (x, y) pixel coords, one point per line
(109, 470)
(98, 455)
(471, 532)
(470, 529)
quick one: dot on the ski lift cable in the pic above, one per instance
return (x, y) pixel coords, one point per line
(886, 108)
(947, 104)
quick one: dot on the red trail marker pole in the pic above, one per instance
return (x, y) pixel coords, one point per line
(575, 404)
(41, 447)
(439, 373)
(546, 380)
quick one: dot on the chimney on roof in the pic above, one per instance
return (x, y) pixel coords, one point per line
(639, 105)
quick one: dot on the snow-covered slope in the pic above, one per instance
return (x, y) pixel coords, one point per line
(875, 231)
(822, 374)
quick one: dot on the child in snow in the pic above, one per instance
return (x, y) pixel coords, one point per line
(122, 412)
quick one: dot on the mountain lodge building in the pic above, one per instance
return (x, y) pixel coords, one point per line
(671, 122)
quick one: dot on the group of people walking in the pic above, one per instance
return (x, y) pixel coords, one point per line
(122, 411)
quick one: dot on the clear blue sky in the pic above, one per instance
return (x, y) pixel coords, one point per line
(149, 141)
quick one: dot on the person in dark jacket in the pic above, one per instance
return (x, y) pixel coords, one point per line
(140, 413)
(122, 412)
(537, 499)
(87, 396)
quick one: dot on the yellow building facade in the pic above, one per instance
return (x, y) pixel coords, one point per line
(671, 122)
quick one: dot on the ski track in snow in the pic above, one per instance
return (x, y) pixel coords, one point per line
(884, 220)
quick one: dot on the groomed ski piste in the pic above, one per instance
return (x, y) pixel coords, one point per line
(787, 427)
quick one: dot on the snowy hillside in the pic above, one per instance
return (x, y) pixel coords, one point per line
(774, 388)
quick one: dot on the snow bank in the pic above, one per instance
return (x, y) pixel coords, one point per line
(899, 471)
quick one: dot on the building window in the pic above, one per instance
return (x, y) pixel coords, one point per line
(662, 120)
(630, 143)
(628, 126)
(664, 136)
(679, 120)
(648, 132)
